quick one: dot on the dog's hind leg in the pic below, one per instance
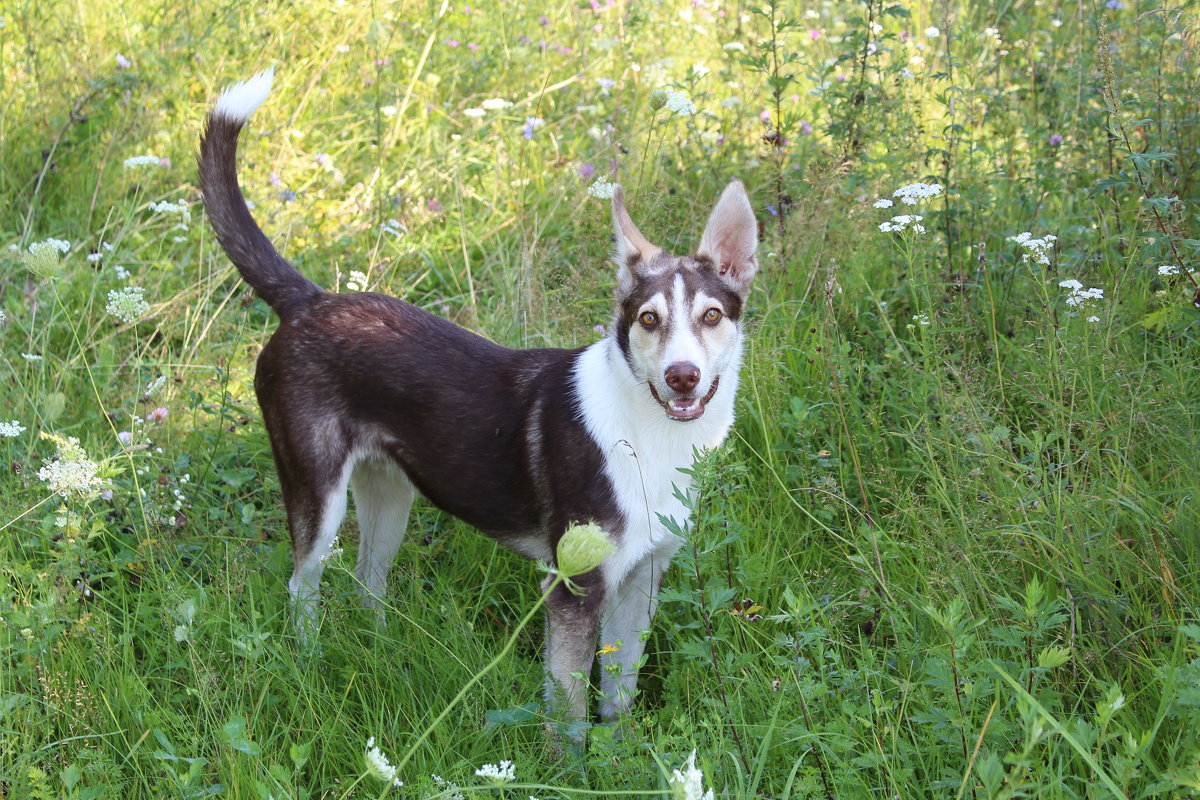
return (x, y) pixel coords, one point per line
(316, 504)
(626, 619)
(383, 497)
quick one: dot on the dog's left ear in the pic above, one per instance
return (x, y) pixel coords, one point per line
(731, 237)
(633, 250)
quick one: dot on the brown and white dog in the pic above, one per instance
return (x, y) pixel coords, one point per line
(368, 392)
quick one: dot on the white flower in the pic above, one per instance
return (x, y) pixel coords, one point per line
(388, 111)
(921, 319)
(734, 47)
(912, 193)
(155, 385)
(93, 258)
(883, 203)
(901, 222)
(1168, 269)
(127, 304)
(1070, 283)
(121, 273)
(688, 783)
(393, 227)
(11, 429)
(932, 33)
(678, 103)
(1093, 319)
(166, 207)
(357, 282)
(379, 766)
(31, 356)
(474, 113)
(602, 188)
(142, 161)
(495, 103)
(71, 472)
(449, 789)
(1078, 297)
(1037, 250)
(500, 773)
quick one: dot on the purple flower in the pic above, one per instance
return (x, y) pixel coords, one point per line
(322, 158)
(543, 21)
(434, 205)
(381, 62)
(287, 195)
(532, 124)
(274, 179)
(164, 163)
(123, 62)
(814, 35)
(1056, 139)
(772, 210)
(452, 42)
(1115, 5)
(472, 46)
(598, 329)
(606, 83)
(587, 171)
(805, 128)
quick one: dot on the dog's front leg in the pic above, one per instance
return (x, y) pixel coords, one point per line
(572, 624)
(626, 620)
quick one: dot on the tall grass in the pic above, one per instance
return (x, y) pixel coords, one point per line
(949, 549)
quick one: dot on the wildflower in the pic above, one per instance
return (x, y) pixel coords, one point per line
(602, 188)
(932, 32)
(678, 103)
(606, 83)
(164, 163)
(322, 159)
(598, 330)
(121, 273)
(805, 128)
(357, 281)
(688, 784)
(472, 46)
(452, 42)
(158, 416)
(814, 34)
(287, 195)
(11, 429)
(123, 62)
(433, 205)
(921, 319)
(1056, 139)
(581, 549)
(44, 257)
(155, 385)
(448, 789)
(1093, 319)
(495, 103)
(883, 203)
(1168, 269)
(394, 228)
(3, 317)
(902, 222)
(378, 765)
(532, 124)
(1036, 250)
(70, 472)
(499, 773)
(141, 161)
(737, 47)
(1071, 284)
(474, 113)
(913, 193)
(1115, 5)
(127, 304)
(1079, 297)
(587, 171)
(31, 356)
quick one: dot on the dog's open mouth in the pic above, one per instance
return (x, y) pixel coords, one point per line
(686, 407)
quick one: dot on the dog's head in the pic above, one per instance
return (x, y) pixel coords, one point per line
(678, 322)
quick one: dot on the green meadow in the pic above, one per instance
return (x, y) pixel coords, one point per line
(949, 549)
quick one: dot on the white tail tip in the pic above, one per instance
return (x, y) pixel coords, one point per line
(242, 99)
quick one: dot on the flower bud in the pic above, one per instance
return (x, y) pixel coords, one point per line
(582, 548)
(44, 259)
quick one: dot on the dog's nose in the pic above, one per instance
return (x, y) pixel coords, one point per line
(682, 377)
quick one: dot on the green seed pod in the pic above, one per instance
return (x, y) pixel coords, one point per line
(582, 548)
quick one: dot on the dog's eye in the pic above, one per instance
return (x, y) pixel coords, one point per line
(649, 319)
(712, 316)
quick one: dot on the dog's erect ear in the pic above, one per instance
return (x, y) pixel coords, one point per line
(731, 237)
(632, 248)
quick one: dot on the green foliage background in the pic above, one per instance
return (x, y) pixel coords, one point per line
(949, 550)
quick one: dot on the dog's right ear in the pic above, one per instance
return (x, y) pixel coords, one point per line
(632, 248)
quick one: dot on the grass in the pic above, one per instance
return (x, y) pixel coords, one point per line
(949, 549)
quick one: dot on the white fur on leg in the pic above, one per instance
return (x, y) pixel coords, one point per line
(305, 584)
(383, 497)
(628, 615)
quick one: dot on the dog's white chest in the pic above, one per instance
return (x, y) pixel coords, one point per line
(643, 453)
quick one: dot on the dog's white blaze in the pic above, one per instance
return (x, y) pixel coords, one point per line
(643, 451)
(242, 99)
(684, 346)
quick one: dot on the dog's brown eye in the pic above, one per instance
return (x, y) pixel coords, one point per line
(649, 319)
(712, 316)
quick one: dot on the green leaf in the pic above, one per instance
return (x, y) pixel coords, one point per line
(235, 737)
(516, 715)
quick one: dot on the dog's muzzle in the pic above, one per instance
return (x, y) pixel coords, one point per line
(685, 407)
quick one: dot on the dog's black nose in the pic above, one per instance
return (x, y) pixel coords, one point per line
(683, 377)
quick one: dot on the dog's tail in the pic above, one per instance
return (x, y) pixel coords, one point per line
(275, 280)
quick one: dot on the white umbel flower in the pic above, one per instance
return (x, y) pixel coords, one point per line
(379, 766)
(499, 773)
(128, 304)
(70, 473)
(688, 783)
(603, 188)
(11, 429)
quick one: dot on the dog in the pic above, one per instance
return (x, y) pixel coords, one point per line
(369, 392)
